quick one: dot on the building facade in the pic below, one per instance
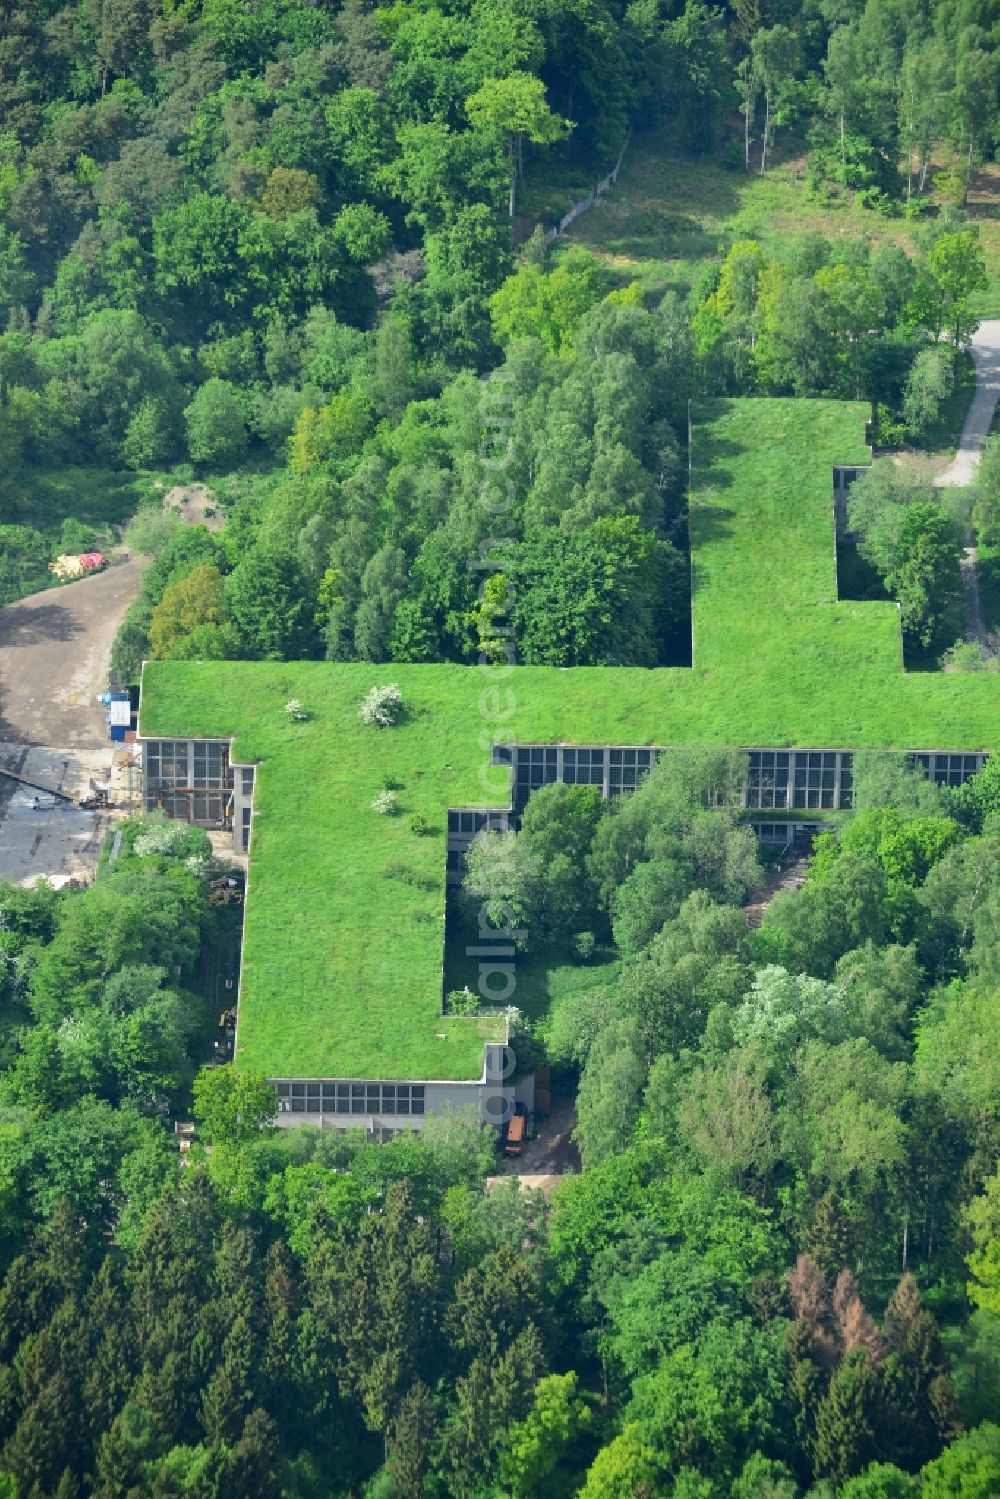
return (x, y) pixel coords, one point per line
(384, 1108)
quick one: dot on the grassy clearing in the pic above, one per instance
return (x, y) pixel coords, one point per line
(343, 950)
(669, 214)
(96, 496)
(983, 205)
(541, 976)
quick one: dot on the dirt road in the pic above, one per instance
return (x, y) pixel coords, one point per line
(54, 650)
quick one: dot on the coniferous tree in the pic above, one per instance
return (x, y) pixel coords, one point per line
(828, 1237)
(411, 1439)
(847, 1419)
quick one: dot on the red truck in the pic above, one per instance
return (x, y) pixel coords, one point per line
(516, 1131)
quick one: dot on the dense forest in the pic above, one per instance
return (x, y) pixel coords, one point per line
(776, 1275)
(280, 247)
(277, 245)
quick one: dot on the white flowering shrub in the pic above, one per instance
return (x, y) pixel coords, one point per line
(386, 804)
(382, 707)
(295, 710)
(163, 838)
(174, 840)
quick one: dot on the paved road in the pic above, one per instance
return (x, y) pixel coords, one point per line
(54, 650)
(985, 350)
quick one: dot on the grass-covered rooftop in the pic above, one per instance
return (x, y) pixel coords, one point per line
(345, 917)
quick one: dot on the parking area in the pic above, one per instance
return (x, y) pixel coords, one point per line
(54, 653)
(42, 835)
(552, 1151)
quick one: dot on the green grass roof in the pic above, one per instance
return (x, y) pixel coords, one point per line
(344, 923)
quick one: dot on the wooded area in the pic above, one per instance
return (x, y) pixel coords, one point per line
(287, 249)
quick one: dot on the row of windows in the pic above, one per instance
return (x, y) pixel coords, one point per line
(948, 770)
(642, 758)
(543, 754)
(474, 822)
(168, 748)
(182, 762)
(539, 765)
(585, 774)
(582, 757)
(778, 833)
(769, 760)
(824, 778)
(350, 1098)
(200, 807)
(536, 754)
(802, 779)
(625, 777)
(814, 779)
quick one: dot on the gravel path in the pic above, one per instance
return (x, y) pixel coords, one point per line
(985, 350)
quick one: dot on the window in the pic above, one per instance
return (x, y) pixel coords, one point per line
(767, 778)
(815, 782)
(773, 834)
(627, 767)
(954, 770)
(536, 766)
(331, 1097)
(190, 779)
(583, 767)
(947, 769)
